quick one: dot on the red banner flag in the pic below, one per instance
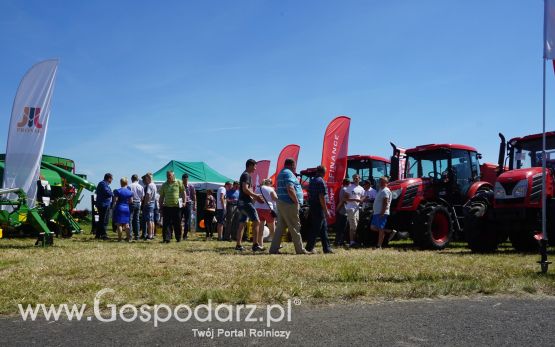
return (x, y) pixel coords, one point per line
(334, 159)
(261, 172)
(289, 151)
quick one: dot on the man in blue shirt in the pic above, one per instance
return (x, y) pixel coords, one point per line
(318, 212)
(290, 199)
(103, 201)
(232, 196)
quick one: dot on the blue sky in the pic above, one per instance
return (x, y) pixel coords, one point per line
(140, 83)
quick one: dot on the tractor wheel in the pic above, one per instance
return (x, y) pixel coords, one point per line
(435, 227)
(305, 221)
(66, 233)
(58, 230)
(365, 236)
(523, 240)
(480, 233)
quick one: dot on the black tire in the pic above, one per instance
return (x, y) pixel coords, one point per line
(364, 235)
(66, 233)
(58, 230)
(305, 221)
(434, 227)
(481, 234)
(522, 239)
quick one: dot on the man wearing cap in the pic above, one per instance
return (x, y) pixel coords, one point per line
(245, 205)
(381, 207)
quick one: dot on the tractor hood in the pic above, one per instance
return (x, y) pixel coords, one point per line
(519, 174)
(521, 188)
(407, 193)
(403, 183)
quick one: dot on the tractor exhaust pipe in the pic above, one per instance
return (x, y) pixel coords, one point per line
(501, 158)
(394, 166)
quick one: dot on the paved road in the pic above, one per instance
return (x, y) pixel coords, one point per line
(490, 321)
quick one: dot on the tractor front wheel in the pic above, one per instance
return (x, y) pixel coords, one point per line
(480, 233)
(435, 227)
(523, 240)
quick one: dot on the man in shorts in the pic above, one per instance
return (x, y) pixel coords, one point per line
(245, 205)
(149, 200)
(381, 212)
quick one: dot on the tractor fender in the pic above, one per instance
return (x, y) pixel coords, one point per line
(478, 187)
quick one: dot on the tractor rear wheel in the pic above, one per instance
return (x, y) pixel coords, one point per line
(435, 227)
(480, 233)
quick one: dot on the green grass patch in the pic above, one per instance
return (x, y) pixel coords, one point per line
(196, 271)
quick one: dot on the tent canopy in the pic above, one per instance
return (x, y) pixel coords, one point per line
(201, 175)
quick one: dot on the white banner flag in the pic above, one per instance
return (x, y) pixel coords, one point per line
(549, 29)
(27, 131)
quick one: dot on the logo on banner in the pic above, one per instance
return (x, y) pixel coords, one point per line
(30, 120)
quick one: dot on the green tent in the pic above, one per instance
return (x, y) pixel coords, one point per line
(201, 175)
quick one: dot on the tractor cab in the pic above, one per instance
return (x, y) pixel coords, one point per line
(521, 186)
(438, 180)
(368, 167)
(517, 195)
(444, 171)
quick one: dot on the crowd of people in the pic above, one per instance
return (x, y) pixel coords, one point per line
(137, 208)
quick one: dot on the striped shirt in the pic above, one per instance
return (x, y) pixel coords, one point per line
(284, 180)
(171, 193)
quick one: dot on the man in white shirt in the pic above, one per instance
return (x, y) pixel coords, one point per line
(369, 194)
(354, 196)
(381, 212)
(135, 208)
(220, 208)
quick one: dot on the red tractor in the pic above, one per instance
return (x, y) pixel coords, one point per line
(517, 197)
(367, 166)
(439, 179)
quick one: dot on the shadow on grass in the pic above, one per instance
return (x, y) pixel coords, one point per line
(461, 249)
(30, 245)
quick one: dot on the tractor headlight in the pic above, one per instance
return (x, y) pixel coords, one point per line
(396, 193)
(499, 191)
(521, 188)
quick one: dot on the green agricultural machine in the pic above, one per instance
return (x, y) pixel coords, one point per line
(59, 191)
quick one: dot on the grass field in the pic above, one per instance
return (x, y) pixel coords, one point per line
(194, 271)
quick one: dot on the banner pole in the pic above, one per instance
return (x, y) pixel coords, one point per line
(543, 243)
(544, 192)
